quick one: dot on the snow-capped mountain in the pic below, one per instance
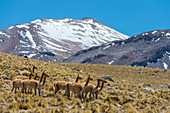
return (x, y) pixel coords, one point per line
(149, 49)
(55, 39)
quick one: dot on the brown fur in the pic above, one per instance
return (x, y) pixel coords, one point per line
(77, 87)
(17, 83)
(90, 88)
(62, 85)
(21, 77)
(27, 73)
(97, 91)
(34, 84)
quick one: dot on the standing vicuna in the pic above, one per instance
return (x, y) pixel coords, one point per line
(18, 82)
(90, 88)
(34, 84)
(76, 88)
(27, 73)
(97, 91)
(62, 85)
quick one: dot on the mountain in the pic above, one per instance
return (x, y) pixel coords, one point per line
(55, 39)
(149, 49)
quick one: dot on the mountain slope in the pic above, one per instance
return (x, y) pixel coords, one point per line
(55, 39)
(150, 49)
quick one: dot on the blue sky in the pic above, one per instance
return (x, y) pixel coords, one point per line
(130, 17)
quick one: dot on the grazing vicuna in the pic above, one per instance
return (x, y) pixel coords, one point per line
(62, 85)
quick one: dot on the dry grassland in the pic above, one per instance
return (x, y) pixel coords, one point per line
(127, 93)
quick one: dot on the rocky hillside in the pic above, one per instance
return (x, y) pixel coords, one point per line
(149, 49)
(55, 39)
(128, 89)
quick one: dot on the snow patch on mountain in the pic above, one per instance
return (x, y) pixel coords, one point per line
(28, 35)
(110, 62)
(165, 65)
(86, 32)
(2, 33)
(167, 34)
(22, 26)
(157, 39)
(154, 32)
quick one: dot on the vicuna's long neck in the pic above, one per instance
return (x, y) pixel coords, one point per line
(33, 69)
(98, 82)
(30, 76)
(87, 81)
(35, 76)
(77, 79)
(41, 78)
(102, 86)
(44, 80)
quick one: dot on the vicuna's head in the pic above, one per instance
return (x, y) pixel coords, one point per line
(34, 68)
(31, 75)
(45, 76)
(42, 77)
(104, 81)
(36, 76)
(78, 77)
(89, 78)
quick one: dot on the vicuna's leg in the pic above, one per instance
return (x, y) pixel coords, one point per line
(82, 95)
(96, 95)
(90, 95)
(12, 88)
(79, 95)
(25, 90)
(15, 89)
(56, 88)
(29, 90)
(68, 92)
(39, 91)
(22, 90)
(35, 91)
(86, 95)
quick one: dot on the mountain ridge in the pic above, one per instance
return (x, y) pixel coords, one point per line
(149, 49)
(61, 38)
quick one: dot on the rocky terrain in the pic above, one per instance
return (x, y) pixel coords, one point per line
(149, 49)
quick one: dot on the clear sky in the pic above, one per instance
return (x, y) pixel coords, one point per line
(130, 17)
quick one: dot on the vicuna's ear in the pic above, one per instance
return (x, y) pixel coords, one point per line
(47, 75)
(35, 67)
(104, 81)
(99, 79)
(79, 76)
(90, 78)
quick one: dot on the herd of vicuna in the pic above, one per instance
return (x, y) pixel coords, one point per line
(26, 83)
